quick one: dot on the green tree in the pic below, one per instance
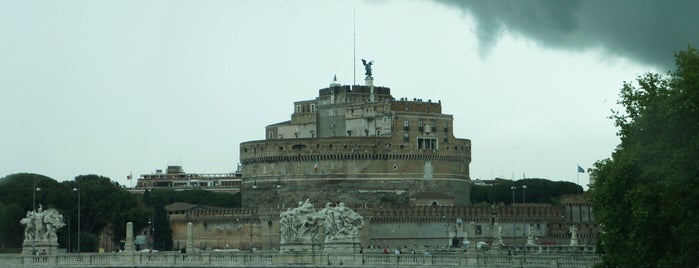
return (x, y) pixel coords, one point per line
(645, 196)
(17, 196)
(104, 205)
(538, 191)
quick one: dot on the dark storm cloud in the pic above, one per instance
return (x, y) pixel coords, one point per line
(645, 30)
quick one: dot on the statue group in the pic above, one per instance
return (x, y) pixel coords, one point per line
(40, 231)
(301, 225)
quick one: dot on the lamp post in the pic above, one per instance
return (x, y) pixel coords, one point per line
(34, 189)
(68, 219)
(524, 220)
(154, 240)
(514, 219)
(150, 227)
(77, 189)
(240, 234)
(446, 227)
(250, 237)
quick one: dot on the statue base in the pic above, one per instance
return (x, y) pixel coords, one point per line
(40, 247)
(369, 81)
(299, 253)
(573, 242)
(342, 246)
(530, 241)
(298, 248)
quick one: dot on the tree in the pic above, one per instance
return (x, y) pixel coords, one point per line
(104, 204)
(538, 191)
(17, 197)
(645, 196)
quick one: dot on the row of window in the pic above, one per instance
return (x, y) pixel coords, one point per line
(406, 137)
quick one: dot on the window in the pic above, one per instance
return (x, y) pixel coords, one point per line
(270, 135)
(298, 109)
(385, 119)
(406, 125)
(427, 143)
(420, 126)
(406, 137)
(313, 108)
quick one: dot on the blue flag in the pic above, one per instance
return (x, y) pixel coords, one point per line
(580, 169)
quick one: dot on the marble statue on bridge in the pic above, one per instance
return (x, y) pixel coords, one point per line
(299, 227)
(40, 231)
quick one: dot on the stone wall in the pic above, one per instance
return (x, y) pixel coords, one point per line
(385, 226)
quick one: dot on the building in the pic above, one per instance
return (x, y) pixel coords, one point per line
(359, 145)
(176, 178)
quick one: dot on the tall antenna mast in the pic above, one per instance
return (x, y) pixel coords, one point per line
(354, 47)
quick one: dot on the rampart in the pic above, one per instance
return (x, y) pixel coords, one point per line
(370, 170)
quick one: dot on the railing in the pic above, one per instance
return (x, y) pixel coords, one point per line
(239, 259)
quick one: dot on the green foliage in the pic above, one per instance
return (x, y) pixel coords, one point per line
(16, 198)
(103, 205)
(9, 224)
(538, 191)
(646, 195)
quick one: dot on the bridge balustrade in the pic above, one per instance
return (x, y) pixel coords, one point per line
(261, 259)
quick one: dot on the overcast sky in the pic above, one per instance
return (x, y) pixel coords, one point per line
(113, 87)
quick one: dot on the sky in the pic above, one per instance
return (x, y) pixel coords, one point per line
(120, 87)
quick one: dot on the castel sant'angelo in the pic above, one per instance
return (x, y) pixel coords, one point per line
(359, 145)
(395, 161)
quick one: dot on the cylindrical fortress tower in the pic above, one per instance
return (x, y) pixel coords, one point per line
(358, 145)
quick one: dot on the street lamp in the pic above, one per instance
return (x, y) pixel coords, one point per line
(35, 189)
(524, 220)
(240, 234)
(250, 237)
(150, 226)
(77, 189)
(514, 219)
(446, 227)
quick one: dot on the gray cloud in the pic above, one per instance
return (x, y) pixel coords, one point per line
(646, 31)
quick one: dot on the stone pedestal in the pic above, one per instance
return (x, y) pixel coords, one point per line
(299, 252)
(190, 238)
(128, 244)
(530, 241)
(573, 241)
(40, 247)
(369, 81)
(342, 246)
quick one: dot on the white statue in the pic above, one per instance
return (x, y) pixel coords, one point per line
(573, 235)
(341, 222)
(573, 231)
(300, 223)
(42, 225)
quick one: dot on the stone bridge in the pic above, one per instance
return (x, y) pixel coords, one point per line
(256, 259)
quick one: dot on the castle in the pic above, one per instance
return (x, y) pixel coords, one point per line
(394, 161)
(359, 145)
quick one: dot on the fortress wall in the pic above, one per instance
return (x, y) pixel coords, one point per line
(393, 227)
